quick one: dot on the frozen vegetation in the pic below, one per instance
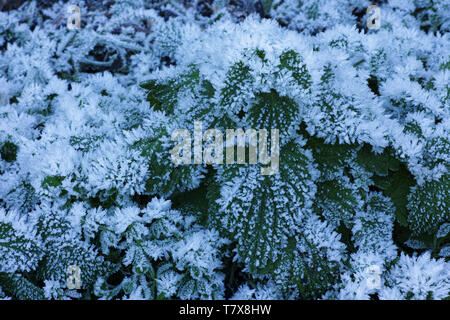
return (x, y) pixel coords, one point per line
(360, 205)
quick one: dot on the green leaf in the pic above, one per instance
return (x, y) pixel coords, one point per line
(330, 157)
(261, 212)
(267, 5)
(398, 191)
(336, 200)
(8, 151)
(52, 181)
(429, 205)
(381, 182)
(164, 95)
(20, 287)
(377, 163)
(20, 249)
(63, 249)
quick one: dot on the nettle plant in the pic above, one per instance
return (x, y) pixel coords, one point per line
(359, 205)
(355, 162)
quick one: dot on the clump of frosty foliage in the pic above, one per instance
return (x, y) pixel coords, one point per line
(86, 177)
